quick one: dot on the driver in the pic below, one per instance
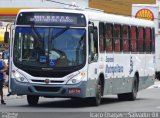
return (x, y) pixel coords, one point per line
(54, 55)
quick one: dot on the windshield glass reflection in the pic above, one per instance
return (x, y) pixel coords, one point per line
(49, 47)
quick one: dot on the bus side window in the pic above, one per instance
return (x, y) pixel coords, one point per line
(148, 40)
(153, 40)
(101, 37)
(93, 44)
(140, 39)
(109, 37)
(133, 39)
(125, 38)
(116, 35)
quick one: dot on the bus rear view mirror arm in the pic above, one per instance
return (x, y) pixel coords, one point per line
(6, 37)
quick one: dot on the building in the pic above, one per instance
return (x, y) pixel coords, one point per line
(122, 7)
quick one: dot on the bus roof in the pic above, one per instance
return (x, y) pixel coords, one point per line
(119, 19)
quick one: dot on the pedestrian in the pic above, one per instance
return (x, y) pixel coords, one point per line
(5, 53)
(3, 68)
(36, 52)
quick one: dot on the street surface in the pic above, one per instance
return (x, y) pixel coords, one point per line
(148, 100)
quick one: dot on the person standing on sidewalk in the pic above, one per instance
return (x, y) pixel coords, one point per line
(3, 68)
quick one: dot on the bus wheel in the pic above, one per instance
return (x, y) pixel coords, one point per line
(95, 101)
(158, 75)
(132, 95)
(32, 100)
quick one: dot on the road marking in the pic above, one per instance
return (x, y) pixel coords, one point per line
(154, 86)
(158, 107)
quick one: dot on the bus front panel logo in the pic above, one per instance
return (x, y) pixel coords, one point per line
(145, 14)
(46, 81)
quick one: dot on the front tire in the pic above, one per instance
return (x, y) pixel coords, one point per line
(32, 100)
(96, 101)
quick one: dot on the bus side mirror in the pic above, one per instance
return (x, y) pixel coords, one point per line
(91, 27)
(6, 37)
(92, 58)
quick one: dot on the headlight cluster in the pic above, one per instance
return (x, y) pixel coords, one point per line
(19, 77)
(75, 79)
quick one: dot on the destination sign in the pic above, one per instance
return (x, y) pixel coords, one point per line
(51, 19)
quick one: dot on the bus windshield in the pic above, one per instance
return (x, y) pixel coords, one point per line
(51, 47)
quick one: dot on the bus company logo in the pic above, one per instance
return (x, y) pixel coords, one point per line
(145, 14)
(46, 81)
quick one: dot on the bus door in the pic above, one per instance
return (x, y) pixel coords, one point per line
(9, 38)
(92, 58)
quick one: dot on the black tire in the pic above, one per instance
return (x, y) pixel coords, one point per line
(157, 75)
(96, 101)
(32, 100)
(132, 95)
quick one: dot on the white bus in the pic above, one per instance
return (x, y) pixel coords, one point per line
(80, 54)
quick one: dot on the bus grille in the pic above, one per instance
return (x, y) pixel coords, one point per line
(39, 73)
(51, 81)
(46, 89)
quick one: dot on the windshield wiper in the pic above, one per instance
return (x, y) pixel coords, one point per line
(36, 33)
(60, 33)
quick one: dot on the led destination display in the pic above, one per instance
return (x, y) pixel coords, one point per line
(51, 19)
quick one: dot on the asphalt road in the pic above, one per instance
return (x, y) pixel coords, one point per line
(148, 100)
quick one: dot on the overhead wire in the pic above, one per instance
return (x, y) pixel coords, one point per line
(61, 3)
(115, 2)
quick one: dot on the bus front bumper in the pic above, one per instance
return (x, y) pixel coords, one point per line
(48, 90)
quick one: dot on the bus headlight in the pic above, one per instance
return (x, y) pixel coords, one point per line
(75, 79)
(19, 77)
